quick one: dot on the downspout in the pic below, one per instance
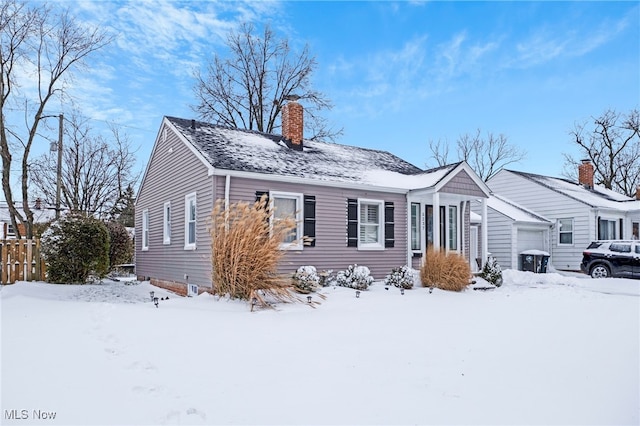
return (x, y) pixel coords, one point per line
(227, 186)
(485, 234)
(409, 251)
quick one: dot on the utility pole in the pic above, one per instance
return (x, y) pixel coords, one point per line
(59, 171)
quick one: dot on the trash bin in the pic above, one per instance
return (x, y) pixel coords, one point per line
(535, 261)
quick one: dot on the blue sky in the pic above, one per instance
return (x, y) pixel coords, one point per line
(399, 73)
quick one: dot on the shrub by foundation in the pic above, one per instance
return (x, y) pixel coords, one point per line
(446, 271)
(357, 277)
(400, 277)
(246, 252)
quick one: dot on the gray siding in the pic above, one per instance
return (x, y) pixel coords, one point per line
(169, 177)
(553, 206)
(331, 251)
(462, 184)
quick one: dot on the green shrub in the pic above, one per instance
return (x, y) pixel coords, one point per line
(76, 247)
(492, 272)
(446, 271)
(400, 277)
(357, 277)
(306, 279)
(120, 245)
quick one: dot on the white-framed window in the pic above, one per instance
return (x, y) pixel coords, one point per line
(166, 227)
(415, 226)
(145, 229)
(606, 229)
(289, 205)
(565, 231)
(190, 221)
(453, 227)
(370, 224)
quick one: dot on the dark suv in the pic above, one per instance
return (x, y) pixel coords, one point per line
(612, 259)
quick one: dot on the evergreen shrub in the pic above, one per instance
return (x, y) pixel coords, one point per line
(76, 247)
(400, 277)
(357, 277)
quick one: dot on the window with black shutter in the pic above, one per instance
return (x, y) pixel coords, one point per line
(352, 222)
(310, 219)
(389, 236)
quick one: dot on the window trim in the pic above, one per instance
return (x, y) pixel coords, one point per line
(298, 243)
(379, 245)
(453, 228)
(145, 230)
(166, 223)
(187, 199)
(415, 227)
(561, 232)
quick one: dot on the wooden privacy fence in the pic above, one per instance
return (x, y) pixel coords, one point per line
(20, 260)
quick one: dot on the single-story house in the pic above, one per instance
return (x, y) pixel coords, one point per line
(580, 212)
(514, 229)
(358, 206)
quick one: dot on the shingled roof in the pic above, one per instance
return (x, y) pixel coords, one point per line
(598, 196)
(250, 151)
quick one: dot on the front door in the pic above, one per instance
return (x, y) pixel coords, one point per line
(441, 227)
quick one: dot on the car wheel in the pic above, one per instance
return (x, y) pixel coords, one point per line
(599, 271)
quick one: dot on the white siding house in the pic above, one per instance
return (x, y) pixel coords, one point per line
(512, 230)
(580, 212)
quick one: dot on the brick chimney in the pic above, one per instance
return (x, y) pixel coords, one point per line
(638, 192)
(38, 203)
(293, 124)
(585, 174)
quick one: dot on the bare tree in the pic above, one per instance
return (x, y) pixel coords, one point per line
(486, 156)
(613, 147)
(37, 47)
(96, 172)
(247, 89)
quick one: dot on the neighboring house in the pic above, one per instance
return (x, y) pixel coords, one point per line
(358, 205)
(581, 212)
(41, 214)
(514, 229)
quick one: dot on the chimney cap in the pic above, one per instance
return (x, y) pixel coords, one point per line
(293, 97)
(585, 161)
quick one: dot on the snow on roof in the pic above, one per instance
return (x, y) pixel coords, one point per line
(41, 215)
(515, 211)
(388, 178)
(598, 196)
(251, 151)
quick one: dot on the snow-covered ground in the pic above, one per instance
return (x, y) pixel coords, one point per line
(542, 349)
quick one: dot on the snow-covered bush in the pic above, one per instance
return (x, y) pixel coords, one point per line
(75, 247)
(306, 279)
(355, 276)
(492, 272)
(400, 277)
(327, 278)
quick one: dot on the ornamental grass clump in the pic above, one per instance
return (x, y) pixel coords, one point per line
(446, 271)
(246, 252)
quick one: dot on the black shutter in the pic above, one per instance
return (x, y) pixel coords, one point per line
(259, 195)
(389, 236)
(309, 215)
(352, 222)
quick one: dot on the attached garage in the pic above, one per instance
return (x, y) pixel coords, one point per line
(513, 229)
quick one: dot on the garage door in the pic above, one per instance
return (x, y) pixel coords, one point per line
(530, 240)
